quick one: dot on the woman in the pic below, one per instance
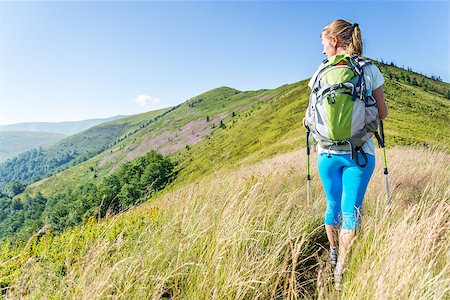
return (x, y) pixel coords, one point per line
(343, 180)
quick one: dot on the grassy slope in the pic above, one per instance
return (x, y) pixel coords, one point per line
(103, 134)
(266, 129)
(14, 142)
(417, 117)
(250, 234)
(174, 130)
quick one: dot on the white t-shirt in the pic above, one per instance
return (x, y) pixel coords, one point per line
(374, 79)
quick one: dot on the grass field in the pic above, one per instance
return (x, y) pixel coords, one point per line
(250, 234)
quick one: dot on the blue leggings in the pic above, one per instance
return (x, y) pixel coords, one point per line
(345, 185)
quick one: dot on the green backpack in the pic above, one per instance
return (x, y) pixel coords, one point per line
(341, 110)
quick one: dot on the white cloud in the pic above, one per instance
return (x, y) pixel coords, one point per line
(145, 100)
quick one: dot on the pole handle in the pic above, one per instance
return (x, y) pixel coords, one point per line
(382, 132)
(307, 141)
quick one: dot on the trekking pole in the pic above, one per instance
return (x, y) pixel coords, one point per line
(383, 149)
(308, 177)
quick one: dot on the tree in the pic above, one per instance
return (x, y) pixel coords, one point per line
(407, 78)
(14, 188)
(128, 185)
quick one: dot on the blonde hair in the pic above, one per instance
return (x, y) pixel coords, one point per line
(348, 34)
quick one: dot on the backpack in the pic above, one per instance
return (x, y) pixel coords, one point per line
(341, 110)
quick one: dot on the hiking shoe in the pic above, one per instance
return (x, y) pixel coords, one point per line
(338, 276)
(333, 256)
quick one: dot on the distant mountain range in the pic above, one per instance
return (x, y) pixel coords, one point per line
(18, 138)
(66, 128)
(13, 143)
(39, 162)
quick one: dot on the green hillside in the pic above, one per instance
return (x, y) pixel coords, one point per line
(188, 124)
(14, 142)
(260, 124)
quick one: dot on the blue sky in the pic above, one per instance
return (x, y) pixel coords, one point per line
(65, 61)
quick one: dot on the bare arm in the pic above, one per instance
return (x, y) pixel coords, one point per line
(378, 94)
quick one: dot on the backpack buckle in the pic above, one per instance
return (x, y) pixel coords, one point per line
(331, 99)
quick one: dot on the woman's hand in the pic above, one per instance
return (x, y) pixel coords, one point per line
(378, 94)
(304, 123)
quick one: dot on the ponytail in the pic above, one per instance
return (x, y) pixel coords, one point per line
(355, 46)
(348, 33)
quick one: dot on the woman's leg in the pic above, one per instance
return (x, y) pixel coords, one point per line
(354, 182)
(333, 235)
(330, 171)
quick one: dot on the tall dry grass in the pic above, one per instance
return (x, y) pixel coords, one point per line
(404, 253)
(250, 234)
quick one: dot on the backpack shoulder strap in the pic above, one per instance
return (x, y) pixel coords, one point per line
(364, 63)
(361, 61)
(324, 66)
